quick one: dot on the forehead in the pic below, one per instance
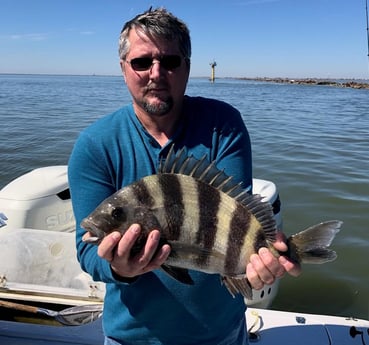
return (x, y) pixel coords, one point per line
(142, 44)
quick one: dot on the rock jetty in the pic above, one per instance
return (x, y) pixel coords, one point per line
(311, 81)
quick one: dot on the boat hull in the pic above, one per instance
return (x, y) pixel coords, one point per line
(265, 327)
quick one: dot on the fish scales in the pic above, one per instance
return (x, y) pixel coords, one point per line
(178, 209)
(171, 207)
(238, 230)
(219, 228)
(197, 224)
(208, 221)
(142, 194)
(214, 214)
(211, 223)
(174, 207)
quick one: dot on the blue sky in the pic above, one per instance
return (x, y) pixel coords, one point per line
(247, 38)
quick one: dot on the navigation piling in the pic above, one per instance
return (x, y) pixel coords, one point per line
(212, 65)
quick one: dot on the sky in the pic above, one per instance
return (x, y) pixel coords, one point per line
(246, 38)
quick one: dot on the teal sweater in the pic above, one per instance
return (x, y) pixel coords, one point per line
(117, 150)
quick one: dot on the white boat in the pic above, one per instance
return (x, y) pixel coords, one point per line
(39, 274)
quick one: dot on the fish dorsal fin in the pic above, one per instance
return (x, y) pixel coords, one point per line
(263, 212)
(202, 170)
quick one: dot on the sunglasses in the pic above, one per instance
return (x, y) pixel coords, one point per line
(168, 62)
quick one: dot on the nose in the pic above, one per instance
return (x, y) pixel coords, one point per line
(155, 70)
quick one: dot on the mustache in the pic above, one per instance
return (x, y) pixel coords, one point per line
(154, 86)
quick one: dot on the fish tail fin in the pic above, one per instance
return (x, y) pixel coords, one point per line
(238, 284)
(311, 245)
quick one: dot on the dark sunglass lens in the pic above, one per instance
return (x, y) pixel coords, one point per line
(141, 64)
(170, 62)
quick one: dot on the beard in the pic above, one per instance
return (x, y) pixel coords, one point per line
(155, 103)
(162, 107)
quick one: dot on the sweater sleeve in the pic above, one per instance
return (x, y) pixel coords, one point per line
(89, 178)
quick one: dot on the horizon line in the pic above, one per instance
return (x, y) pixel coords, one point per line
(194, 77)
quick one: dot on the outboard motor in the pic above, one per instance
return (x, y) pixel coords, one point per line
(263, 298)
(40, 200)
(32, 260)
(269, 192)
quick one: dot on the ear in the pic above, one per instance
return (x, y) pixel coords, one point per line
(121, 62)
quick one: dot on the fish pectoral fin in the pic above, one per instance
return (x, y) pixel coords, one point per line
(180, 274)
(238, 284)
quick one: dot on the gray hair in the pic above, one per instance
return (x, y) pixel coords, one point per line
(158, 23)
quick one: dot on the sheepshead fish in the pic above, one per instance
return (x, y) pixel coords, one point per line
(211, 223)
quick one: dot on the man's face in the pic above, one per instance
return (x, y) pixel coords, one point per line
(157, 88)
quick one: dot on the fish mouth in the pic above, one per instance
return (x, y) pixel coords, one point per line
(93, 229)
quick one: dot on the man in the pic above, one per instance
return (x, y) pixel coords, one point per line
(143, 305)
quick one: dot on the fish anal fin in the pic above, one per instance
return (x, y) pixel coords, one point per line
(238, 284)
(180, 274)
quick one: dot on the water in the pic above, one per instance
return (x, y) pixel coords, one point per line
(312, 141)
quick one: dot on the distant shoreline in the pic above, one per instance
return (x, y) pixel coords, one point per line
(344, 83)
(313, 81)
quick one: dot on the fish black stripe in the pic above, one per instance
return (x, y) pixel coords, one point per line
(173, 204)
(238, 229)
(142, 194)
(208, 201)
(260, 240)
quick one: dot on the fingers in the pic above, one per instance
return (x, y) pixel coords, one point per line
(253, 277)
(107, 246)
(263, 268)
(280, 242)
(158, 259)
(149, 258)
(149, 249)
(292, 268)
(128, 240)
(116, 249)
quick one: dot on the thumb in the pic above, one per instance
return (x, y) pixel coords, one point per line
(280, 242)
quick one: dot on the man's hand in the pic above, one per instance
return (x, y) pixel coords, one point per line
(265, 268)
(116, 248)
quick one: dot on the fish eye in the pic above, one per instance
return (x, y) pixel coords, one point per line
(118, 214)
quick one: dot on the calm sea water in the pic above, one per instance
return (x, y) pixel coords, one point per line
(312, 141)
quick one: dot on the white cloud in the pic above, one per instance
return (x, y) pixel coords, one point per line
(26, 37)
(87, 32)
(79, 31)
